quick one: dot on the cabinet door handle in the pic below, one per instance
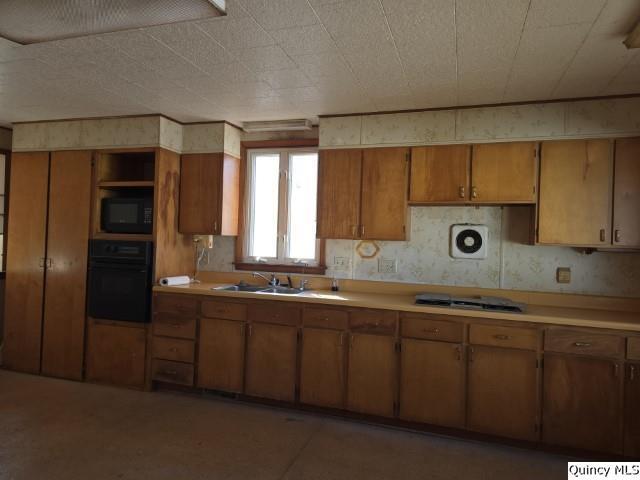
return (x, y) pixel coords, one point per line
(361, 231)
(249, 329)
(616, 370)
(42, 262)
(470, 354)
(581, 344)
(461, 191)
(458, 353)
(354, 231)
(342, 339)
(632, 372)
(474, 192)
(603, 235)
(617, 236)
(215, 227)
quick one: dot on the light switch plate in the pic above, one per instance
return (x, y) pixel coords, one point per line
(563, 275)
(341, 263)
(387, 265)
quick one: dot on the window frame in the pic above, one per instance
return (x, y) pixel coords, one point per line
(242, 261)
(7, 183)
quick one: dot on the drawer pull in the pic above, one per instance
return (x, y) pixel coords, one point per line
(173, 349)
(174, 325)
(501, 337)
(221, 310)
(170, 372)
(581, 344)
(431, 330)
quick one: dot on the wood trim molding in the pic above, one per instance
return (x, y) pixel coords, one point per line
(116, 117)
(9, 129)
(486, 105)
(239, 263)
(264, 267)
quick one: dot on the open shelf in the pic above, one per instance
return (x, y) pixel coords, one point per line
(126, 166)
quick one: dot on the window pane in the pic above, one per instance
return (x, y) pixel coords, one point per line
(264, 212)
(303, 171)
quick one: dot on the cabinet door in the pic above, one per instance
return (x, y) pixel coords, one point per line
(626, 193)
(384, 193)
(66, 279)
(322, 367)
(25, 261)
(116, 354)
(432, 389)
(271, 361)
(632, 413)
(582, 402)
(371, 381)
(200, 193)
(575, 193)
(440, 174)
(504, 173)
(221, 355)
(502, 392)
(339, 179)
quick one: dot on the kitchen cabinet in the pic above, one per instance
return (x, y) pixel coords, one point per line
(116, 354)
(209, 194)
(322, 367)
(45, 312)
(502, 392)
(339, 180)
(362, 194)
(432, 382)
(271, 361)
(504, 173)
(372, 373)
(575, 193)
(626, 193)
(582, 402)
(440, 174)
(221, 354)
(632, 413)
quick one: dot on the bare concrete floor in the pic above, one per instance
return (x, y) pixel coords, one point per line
(56, 429)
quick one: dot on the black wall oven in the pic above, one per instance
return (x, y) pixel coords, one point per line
(120, 280)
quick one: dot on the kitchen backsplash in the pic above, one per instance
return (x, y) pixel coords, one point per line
(511, 263)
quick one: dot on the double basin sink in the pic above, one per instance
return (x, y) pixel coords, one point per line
(261, 289)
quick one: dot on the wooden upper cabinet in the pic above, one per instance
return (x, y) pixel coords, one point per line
(339, 179)
(502, 395)
(67, 250)
(384, 193)
(575, 193)
(504, 173)
(626, 193)
(582, 402)
(440, 174)
(209, 194)
(25, 261)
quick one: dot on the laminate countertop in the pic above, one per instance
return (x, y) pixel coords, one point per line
(577, 317)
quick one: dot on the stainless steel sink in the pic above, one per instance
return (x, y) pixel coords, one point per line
(260, 289)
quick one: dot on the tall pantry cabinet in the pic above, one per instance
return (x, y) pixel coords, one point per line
(47, 246)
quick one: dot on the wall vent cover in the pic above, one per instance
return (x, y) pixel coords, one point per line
(35, 21)
(469, 241)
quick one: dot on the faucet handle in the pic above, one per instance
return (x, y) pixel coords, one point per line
(304, 284)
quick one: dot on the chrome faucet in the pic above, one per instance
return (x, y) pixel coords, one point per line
(273, 281)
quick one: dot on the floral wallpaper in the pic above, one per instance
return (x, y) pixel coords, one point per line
(232, 139)
(170, 135)
(201, 138)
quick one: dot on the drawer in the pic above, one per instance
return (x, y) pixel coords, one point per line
(583, 343)
(430, 328)
(274, 312)
(325, 318)
(498, 336)
(633, 348)
(170, 325)
(182, 304)
(224, 310)
(374, 321)
(173, 349)
(172, 372)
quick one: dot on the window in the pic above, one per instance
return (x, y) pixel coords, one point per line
(281, 207)
(3, 169)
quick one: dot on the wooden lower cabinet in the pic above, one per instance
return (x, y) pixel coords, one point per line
(502, 393)
(632, 411)
(322, 367)
(371, 378)
(582, 402)
(221, 355)
(116, 354)
(432, 383)
(271, 361)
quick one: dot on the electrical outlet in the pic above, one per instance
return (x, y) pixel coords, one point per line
(563, 275)
(387, 265)
(341, 263)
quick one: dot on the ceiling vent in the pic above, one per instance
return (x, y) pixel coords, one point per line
(36, 21)
(633, 39)
(277, 126)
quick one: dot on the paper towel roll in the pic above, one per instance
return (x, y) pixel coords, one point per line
(171, 281)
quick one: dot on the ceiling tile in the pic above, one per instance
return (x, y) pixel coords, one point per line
(285, 78)
(617, 18)
(236, 34)
(304, 40)
(137, 44)
(275, 14)
(173, 67)
(266, 58)
(322, 64)
(545, 13)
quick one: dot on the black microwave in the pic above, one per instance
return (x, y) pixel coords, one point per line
(127, 215)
